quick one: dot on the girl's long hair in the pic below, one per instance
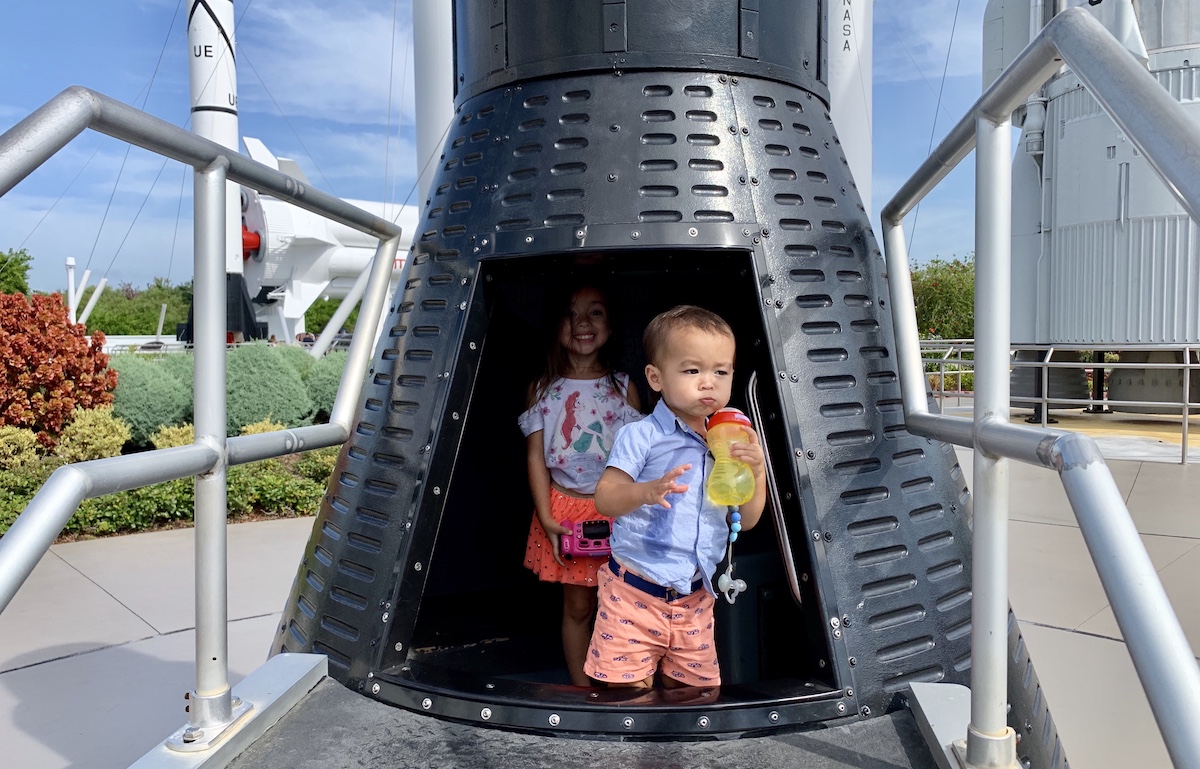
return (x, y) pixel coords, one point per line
(558, 308)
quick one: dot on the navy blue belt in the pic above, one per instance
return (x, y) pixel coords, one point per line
(648, 587)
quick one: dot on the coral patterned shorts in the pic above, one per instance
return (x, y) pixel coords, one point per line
(636, 632)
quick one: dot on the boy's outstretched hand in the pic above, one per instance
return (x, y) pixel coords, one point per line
(657, 491)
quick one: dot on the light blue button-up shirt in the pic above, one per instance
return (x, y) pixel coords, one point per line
(668, 546)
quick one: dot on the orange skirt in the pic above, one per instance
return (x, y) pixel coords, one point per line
(539, 553)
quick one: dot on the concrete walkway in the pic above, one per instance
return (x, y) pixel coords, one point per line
(96, 651)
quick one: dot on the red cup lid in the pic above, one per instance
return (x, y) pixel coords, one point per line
(727, 414)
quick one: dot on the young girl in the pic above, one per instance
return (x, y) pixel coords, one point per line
(575, 408)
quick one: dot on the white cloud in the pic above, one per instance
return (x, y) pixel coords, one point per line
(911, 39)
(327, 60)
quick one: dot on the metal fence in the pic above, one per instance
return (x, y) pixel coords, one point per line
(24, 147)
(949, 362)
(1159, 127)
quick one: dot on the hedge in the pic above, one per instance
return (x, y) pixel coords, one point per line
(148, 397)
(261, 384)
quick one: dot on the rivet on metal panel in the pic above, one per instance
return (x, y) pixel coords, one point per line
(811, 454)
(416, 566)
(635, 234)
(841, 707)
(437, 491)
(554, 719)
(773, 716)
(385, 616)
(399, 646)
(853, 661)
(627, 723)
(528, 238)
(427, 703)
(849, 692)
(454, 416)
(693, 232)
(473, 346)
(837, 634)
(816, 535)
(375, 688)
(702, 722)
(486, 714)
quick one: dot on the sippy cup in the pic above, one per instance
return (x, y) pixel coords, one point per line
(730, 483)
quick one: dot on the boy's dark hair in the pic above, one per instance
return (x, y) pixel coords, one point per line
(679, 318)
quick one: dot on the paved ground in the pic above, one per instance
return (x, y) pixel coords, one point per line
(96, 650)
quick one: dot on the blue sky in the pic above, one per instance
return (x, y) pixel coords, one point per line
(314, 86)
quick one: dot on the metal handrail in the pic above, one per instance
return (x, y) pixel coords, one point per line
(1159, 128)
(26, 146)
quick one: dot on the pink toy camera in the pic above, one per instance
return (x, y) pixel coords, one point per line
(587, 539)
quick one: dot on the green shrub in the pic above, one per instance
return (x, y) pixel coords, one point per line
(263, 426)
(18, 447)
(17, 487)
(180, 366)
(268, 487)
(296, 357)
(147, 397)
(92, 434)
(261, 385)
(318, 465)
(135, 509)
(322, 380)
(172, 436)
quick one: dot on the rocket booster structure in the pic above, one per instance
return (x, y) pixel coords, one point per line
(212, 75)
(681, 152)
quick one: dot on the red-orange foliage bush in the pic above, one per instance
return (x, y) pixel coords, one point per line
(47, 366)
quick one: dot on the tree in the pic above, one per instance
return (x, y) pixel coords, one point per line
(944, 294)
(126, 310)
(317, 316)
(14, 271)
(48, 367)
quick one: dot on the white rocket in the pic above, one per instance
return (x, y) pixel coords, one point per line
(1103, 253)
(212, 70)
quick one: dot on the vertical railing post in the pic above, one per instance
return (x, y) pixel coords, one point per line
(210, 705)
(990, 741)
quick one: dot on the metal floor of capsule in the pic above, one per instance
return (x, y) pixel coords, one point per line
(96, 651)
(334, 729)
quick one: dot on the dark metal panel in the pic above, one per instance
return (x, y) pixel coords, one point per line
(615, 28)
(577, 36)
(748, 40)
(499, 50)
